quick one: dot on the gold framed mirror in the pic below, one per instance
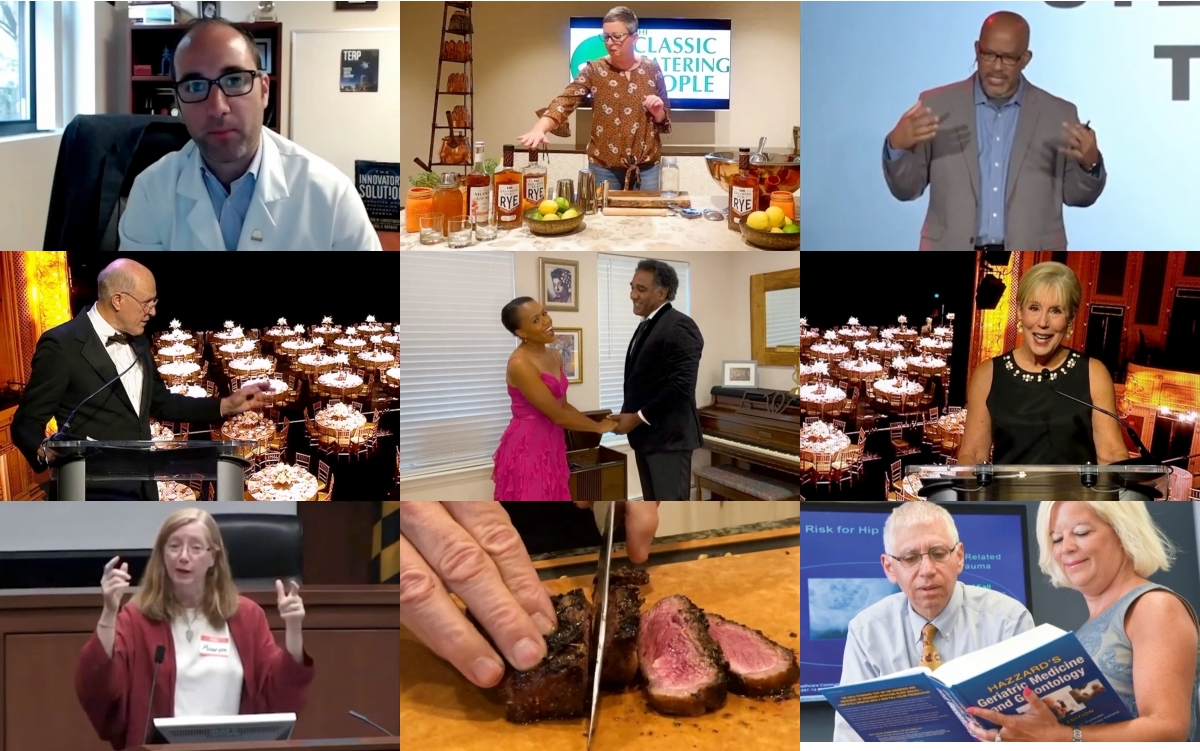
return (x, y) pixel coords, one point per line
(775, 317)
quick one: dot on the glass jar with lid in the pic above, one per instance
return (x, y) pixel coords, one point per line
(668, 177)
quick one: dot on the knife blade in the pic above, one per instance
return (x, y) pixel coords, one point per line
(600, 610)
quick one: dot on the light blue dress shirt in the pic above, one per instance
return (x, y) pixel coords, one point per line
(231, 206)
(886, 637)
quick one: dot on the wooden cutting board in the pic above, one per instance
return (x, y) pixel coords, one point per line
(439, 709)
(646, 199)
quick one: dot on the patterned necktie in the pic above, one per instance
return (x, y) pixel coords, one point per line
(930, 658)
(118, 338)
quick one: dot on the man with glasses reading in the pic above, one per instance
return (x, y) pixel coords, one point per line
(238, 185)
(76, 359)
(1000, 156)
(934, 618)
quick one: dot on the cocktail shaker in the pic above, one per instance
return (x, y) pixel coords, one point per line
(587, 198)
(565, 189)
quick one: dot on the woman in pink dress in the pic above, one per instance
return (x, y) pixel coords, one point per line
(531, 461)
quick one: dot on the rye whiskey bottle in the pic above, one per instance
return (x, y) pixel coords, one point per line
(743, 191)
(479, 189)
(507, 193)
(533, 183)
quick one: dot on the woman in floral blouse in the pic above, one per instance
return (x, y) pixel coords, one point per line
(629, 111)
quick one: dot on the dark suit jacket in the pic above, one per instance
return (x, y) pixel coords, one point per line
(70, 363)
(660, 381)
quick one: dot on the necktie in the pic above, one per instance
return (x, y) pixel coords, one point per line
(637, 336)
(929, 654)
(118, 338)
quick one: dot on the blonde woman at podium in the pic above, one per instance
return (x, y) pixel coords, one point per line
(205, 649)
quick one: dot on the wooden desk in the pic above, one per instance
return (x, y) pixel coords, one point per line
(352, 633)
(389, 240)
(346, 744)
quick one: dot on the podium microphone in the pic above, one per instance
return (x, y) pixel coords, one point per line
(365, 719)
(159, 653)
(1146, 456)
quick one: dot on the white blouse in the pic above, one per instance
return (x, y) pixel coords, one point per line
(208, 678)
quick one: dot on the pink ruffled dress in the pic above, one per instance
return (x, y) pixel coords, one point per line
(531, 460)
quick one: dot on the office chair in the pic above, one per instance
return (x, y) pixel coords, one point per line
(263, 546)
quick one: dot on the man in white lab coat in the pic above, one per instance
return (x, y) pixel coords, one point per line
(238, 185)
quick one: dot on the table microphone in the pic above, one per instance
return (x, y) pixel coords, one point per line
(1146, 456)
(365, 719)
(159, 653)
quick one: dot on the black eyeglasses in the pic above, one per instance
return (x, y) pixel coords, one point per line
(1008, 61)
(235, 83)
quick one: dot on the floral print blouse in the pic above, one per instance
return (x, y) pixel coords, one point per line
(623, 130)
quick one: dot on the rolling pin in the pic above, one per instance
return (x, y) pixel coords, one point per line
(615, 211)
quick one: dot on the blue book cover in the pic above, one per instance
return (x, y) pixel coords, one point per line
(924, 705)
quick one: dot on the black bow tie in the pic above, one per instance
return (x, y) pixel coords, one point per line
(119, 338)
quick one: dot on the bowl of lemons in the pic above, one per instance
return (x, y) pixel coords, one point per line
(554, 217)
(771, 230)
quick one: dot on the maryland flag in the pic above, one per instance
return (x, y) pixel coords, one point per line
(385, 544)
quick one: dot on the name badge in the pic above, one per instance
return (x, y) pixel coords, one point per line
(214, 646)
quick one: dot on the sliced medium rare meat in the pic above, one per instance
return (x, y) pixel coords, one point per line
(557, 687)
(624, 615)
(683, 665)
(757, 665)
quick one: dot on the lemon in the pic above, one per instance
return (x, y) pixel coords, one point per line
(536, 216)
(562, 202)
(758, 220)
(776, 216)
(792, 229)
(550, 217)
(570, 214)
(776, 230)
(548, 207)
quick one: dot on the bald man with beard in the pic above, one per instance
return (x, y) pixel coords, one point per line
(78, 358)
(999, 156)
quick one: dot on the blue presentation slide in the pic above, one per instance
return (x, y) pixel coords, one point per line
(841, 575)
(1130, 69)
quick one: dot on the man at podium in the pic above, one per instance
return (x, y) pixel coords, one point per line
(95, 376)
(187, 644)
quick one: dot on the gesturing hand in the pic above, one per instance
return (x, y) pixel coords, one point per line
(291, 607)
(917, 125)
(471, 548)
(245, 398)
(114, 584)
(1081, 144)
(627, 421)
(654, 105)
(641, 522)
(533, 138)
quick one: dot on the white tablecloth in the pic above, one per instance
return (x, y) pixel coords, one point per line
(832, 395)
(888, 386)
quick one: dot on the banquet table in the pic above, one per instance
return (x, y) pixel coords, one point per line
(886, 347)
(340, 383)
(857, 370)
(830, 350)
(821, 437)
(174, 491)
(177, 373)
(281, 482)
(815, 399)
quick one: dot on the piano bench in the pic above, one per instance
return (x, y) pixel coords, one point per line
(736, 484)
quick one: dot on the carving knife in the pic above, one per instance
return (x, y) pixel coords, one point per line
(600, 610)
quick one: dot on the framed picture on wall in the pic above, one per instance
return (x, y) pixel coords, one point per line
(264, 53)
(558, 284)
(356, 6)
(569, 343)
(740, 374)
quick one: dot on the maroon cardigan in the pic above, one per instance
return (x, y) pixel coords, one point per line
(115, 693)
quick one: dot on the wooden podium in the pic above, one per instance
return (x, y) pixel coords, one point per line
(336, 744)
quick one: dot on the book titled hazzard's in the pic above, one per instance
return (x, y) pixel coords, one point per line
(930, 705)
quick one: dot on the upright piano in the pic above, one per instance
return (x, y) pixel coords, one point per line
(754, 429)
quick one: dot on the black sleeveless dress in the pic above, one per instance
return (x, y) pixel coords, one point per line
(1033, 425)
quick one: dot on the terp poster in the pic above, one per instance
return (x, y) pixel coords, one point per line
(360, 70)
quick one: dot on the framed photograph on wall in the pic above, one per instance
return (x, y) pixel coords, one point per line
(264, 52)
(569, 343)
(558, 284)
(210, 9)
(740, 374)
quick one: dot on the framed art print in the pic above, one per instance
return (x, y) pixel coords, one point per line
(558, 284)
(569, 343)
(740, 374)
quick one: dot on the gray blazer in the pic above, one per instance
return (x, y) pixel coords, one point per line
(1040, 178)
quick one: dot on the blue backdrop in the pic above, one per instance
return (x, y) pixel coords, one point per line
(864, 63)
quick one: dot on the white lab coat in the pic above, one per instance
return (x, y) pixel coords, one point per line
(300, 202)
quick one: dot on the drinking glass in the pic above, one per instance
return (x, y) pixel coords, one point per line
(486, 229)
(458, 232)
(431, 229)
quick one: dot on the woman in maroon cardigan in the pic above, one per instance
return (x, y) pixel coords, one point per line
(221, 658)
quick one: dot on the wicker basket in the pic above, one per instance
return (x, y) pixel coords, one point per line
(550, 229)
(770, 240)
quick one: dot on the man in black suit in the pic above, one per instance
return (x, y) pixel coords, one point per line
(659, 410)
(77, 358)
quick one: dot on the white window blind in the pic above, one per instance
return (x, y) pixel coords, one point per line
(618, 322)
(783, 317)
(454, 405)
